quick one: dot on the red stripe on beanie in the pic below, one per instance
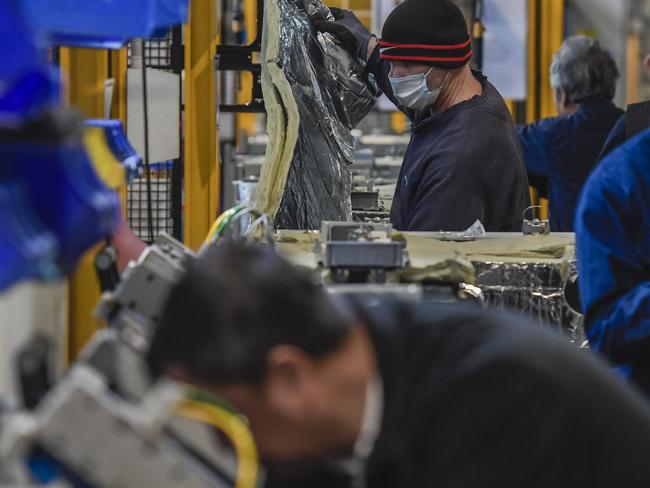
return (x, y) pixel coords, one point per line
(396, 57)
(383, 43)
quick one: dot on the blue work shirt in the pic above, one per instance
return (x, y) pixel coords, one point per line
(613, 247)
(461, 165)
(563, 151)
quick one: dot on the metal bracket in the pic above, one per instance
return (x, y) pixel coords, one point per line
(535, 226)
(240, 58)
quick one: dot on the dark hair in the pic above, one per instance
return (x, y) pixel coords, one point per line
(232, 306)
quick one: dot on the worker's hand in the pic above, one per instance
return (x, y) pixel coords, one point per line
(347, 29)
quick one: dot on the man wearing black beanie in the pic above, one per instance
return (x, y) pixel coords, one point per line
(464, 162)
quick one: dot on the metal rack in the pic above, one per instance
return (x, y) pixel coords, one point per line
(164, 179)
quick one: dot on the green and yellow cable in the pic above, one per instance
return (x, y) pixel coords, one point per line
(217, 227)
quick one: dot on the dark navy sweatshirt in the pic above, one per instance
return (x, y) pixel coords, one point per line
(462, 165)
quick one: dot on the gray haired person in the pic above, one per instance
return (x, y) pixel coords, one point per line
(582, 70)
(560, 152)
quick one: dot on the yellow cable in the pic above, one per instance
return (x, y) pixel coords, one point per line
(235, 428)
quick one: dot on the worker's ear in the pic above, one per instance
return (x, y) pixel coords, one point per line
(287, 382)
(561, 101)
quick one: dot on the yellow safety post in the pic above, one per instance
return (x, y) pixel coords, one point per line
(119, 65)
(532, 112)
(85, 72)
(202, 175)
(545, 36)
(633, 68)
(552, 35)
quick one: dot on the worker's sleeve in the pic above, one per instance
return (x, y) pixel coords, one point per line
(380, 68)
(535, 139)
(615, 138)
(614, 280)
(443, 204)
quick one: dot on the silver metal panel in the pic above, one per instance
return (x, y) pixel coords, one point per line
(163, 95)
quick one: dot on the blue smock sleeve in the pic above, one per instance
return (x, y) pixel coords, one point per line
(613, 244)
(535, 140)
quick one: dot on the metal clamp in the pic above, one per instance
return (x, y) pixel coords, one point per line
(535, 226)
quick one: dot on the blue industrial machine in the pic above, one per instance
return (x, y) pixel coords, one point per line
(57, 199)
(53, 202)
(101, 24)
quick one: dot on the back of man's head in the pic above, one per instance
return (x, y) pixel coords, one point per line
(584, 70)
(232, 306)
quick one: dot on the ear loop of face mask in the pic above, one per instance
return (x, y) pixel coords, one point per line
(444, 82)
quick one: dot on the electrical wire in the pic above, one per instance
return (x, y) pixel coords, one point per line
(235, 429)
(212, 233)
(230, 217)
(266, 232)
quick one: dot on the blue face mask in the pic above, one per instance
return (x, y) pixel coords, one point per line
(413, 92)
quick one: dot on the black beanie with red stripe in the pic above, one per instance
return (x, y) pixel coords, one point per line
(431, 32)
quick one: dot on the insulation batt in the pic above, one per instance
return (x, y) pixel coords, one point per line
(315, 94)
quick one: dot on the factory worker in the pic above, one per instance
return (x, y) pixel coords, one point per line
(347, 392)
(613, 247)
(562, 151)
(464, 162)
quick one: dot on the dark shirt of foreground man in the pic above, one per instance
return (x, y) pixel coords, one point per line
(346, 393)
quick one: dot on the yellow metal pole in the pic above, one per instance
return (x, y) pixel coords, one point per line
(85, 71)
(532, 112)
(202, 175)
(246, 123)
(119, 66)
(633, 68)
(552, 35)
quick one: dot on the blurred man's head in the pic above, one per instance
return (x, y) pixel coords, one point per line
(250, 327)
(428, 46)
(581, 71)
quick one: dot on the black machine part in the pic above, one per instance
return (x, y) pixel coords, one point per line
(240, 58)
(33, 370)
(106, 267)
